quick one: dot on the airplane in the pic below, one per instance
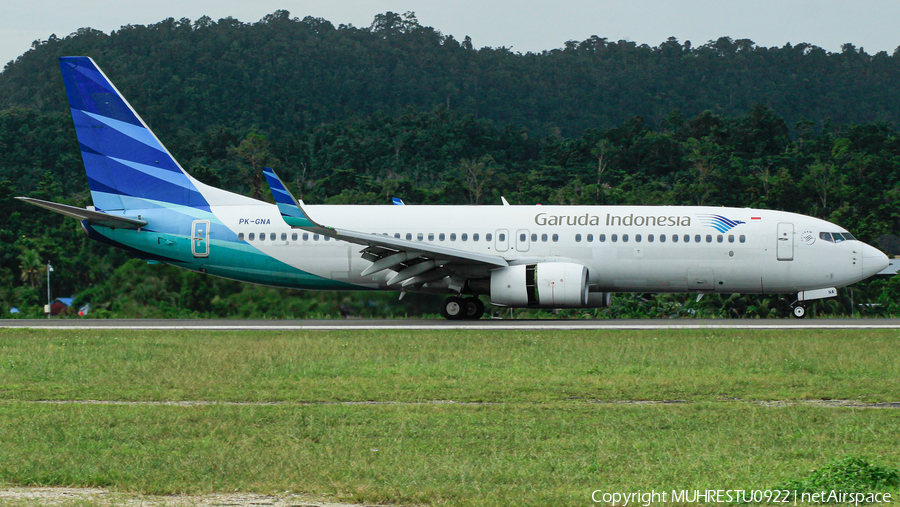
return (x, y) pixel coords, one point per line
(520, 256)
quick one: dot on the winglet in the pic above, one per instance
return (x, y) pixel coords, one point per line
(291, 209)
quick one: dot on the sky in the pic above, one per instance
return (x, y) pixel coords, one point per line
(523, 26)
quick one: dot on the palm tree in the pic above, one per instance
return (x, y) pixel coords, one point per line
(32, 267)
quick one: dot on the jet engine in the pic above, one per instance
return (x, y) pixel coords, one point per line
(541, 285)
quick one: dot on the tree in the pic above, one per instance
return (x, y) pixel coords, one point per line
(600, 152)
(477, 174)
(254, 150)
(32, 267)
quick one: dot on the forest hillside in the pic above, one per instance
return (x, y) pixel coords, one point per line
(358, 115)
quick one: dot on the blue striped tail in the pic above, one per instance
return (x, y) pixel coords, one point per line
(127, 166)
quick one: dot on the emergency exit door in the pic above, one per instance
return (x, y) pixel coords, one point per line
(200, 238)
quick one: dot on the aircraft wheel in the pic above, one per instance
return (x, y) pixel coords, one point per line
(474, 308)
(799, 311)
(454, 308)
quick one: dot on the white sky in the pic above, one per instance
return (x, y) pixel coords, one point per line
(525, 25)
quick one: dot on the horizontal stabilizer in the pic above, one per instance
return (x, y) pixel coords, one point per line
(93, 217)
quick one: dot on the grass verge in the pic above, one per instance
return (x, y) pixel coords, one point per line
(531, 434)
(481, 366)
(510, 454)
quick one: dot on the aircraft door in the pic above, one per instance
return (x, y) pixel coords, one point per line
(784, 250)
(200, 238)
(502, 244)
(522, 241)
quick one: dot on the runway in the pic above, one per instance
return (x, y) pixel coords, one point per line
(484, 324)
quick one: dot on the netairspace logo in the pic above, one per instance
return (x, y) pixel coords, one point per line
(719, 223)
(730, 496)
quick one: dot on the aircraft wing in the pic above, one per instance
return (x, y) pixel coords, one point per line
(93, 217)
(415, 262)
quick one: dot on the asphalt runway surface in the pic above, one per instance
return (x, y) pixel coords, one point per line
(484, 324)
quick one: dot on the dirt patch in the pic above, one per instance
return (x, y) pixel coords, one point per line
(63, 497)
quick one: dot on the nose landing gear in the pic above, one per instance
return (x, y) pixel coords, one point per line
(798, 308)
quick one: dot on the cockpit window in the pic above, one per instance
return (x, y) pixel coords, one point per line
(825, 236)
(842, 236)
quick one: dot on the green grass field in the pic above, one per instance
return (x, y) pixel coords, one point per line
(528, 418)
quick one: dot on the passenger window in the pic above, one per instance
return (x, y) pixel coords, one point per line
(742, 238)
(719, 238)
(709, 238)
(488, 237)
(697, 238)
(555, 238)
(523, 236)
(452, 236)
(241, 236)
(533, 237)
(397, 235)
(441, 237)
(420, 236)
(475, 237)
(637, 238)
(315, 237)
(826, 236)
(272, 236)
(283, 236)
(650, 238)
(544, 238)
(294, 237)
(601, 238)
(674, 238)
(578, 238)
(430, 236)
(614, 238)
(326, 238)
(662, 238)
(625, 238)
(590, 238)
(731, 238)
(501, 237)
(409, 236)
(464, 237)
(305, 236)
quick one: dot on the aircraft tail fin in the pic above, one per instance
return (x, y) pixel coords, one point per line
(126, 164)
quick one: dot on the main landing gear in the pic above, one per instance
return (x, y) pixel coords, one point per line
(458, 308)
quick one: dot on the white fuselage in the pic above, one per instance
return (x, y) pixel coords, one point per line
(626, 248)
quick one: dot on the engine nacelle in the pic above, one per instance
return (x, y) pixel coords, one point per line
(542, 285)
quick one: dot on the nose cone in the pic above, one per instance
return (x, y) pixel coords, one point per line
(873, 260)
